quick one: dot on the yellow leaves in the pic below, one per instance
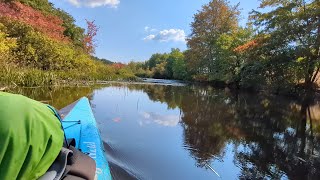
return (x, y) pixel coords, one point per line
(301, 59)
(30, 50)
(225, 41)
(265, 103)
(6, 43)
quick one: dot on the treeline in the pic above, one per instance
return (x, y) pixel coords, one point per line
(162, 66)
(41, 45)
(279, 48)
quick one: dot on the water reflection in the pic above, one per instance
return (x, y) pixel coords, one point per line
(164, 120)
(59, 97)
(274, 137)
(259, 136)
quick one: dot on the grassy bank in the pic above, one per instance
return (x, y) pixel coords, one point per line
(31, 77)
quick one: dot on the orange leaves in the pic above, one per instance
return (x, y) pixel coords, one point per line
(246, 46)
(257, 42)
(48, 24)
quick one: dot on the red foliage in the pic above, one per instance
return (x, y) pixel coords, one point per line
(89, 41)
(118, 65)
(48, 24)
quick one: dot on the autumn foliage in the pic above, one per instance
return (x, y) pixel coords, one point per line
(47, 24)
(247, 46)
(41, 45)
(118, 66)
(89, 41)
(250, 45)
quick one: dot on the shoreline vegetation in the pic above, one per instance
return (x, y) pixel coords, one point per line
(40, 45)
(277, 51)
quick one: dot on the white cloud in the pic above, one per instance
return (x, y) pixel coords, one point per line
(146, 28)
(150, 37)
(95, 3)
(164, 120)
(149, 29)
(175, 35)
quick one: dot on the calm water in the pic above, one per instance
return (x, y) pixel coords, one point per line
(191, 132)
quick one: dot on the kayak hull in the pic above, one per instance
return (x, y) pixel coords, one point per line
(81, 125)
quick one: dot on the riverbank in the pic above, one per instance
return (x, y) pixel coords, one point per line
(133, 80)
(296, 92)
(42, 46)
(72, 83)
(11, 75)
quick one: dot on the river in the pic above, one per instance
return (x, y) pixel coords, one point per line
(177, 131)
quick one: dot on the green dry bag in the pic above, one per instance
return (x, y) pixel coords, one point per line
(31, 137)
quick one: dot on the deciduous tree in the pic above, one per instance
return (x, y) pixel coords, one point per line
(89, 38)
(295, 25)
(216, 19)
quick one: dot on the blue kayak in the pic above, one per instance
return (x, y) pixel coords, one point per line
(81, 125)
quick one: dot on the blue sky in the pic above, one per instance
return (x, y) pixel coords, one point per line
(135, 29)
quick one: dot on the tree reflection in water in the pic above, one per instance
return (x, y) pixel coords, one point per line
(273, 136)
(59, 97)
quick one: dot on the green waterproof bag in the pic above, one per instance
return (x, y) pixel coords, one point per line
(31, 137)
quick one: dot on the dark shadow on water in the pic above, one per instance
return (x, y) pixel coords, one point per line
(118, 172)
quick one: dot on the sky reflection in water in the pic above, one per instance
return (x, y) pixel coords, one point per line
(181, 132)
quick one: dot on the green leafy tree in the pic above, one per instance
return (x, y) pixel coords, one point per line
(159, 71)
(74, 32)
(206, 53)
(174, 55)
(293, 25)
(156, 59)
(42, 5)
(180, 69)
(228, 64)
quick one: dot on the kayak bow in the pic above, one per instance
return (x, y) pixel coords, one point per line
(81, 125)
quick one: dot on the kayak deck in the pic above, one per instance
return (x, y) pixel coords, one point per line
(81, 125)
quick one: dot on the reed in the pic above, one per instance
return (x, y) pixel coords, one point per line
(31, 77)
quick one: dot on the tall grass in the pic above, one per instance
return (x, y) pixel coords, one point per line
(11, 75)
